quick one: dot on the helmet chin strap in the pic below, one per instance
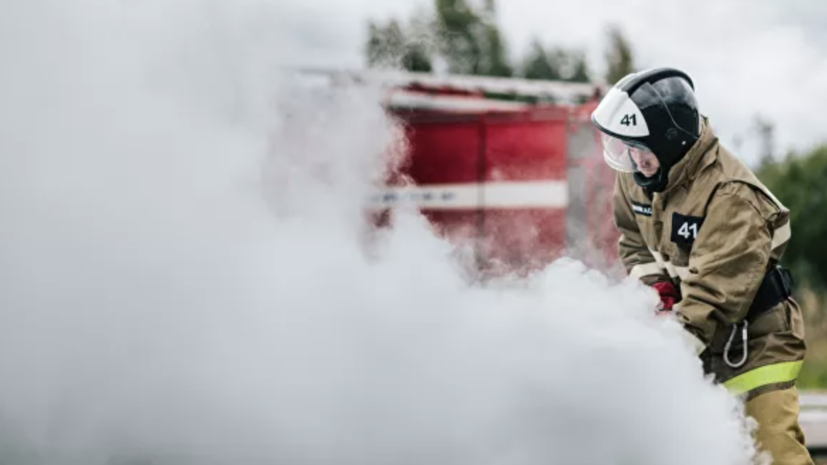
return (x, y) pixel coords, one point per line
(656, 183)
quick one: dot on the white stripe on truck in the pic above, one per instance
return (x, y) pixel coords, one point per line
(510, 194)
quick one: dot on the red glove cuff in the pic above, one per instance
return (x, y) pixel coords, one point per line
(668, 294)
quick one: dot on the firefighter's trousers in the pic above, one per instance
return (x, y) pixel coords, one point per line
(778, 432)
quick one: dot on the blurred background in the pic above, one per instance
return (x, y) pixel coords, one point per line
(483, 83)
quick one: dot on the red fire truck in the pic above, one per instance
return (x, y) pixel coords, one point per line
(512, 165)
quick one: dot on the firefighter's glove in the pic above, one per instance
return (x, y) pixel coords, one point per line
(668, 295)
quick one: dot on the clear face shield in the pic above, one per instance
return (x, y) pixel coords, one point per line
(629, 156)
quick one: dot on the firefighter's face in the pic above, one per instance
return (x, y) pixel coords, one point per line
(645, 160)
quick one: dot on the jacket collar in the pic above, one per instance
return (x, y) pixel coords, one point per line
(699, 156)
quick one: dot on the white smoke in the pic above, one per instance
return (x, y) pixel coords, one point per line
(185, 276)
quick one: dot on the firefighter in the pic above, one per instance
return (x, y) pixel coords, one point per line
(700, 228)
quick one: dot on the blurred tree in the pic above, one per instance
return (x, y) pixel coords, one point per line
(416, 58)
(619, 59)
(465, 36)
(390, 47)
(539, 64)
(798, 182)
(557, 64)
(457, 38)
(385, 44)
(470, 39)
(494, 58)
(579, 68)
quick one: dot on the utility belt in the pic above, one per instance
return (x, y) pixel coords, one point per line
(775, 288)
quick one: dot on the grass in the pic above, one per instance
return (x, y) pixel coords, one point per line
(814, 308)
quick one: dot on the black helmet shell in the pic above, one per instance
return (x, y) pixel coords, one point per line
(657, 109)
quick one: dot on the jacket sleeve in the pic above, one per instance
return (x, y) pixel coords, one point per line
(728, 260)
(633, 251)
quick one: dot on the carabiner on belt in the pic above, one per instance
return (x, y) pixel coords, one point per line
(729, 346)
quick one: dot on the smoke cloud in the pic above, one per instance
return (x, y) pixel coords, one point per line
(186, 276)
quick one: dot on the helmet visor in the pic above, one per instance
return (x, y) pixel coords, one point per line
(628, 156)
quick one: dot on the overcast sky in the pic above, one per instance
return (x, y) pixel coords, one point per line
(747, 57)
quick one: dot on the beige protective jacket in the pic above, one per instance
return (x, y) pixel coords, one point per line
(714, 232)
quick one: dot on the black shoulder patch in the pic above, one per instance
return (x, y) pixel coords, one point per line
(641, 209)
(685, 228)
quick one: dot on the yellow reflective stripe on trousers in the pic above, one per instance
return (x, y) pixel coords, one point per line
(762, 376)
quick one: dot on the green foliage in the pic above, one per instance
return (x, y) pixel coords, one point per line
(619, 59)
(391, 46)
(540, 64)
(493, 60)
(466, 36)
(814, 372)
(470, 40)
(798, 183)
(455, 25)
(579, 68)
(555, 64)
